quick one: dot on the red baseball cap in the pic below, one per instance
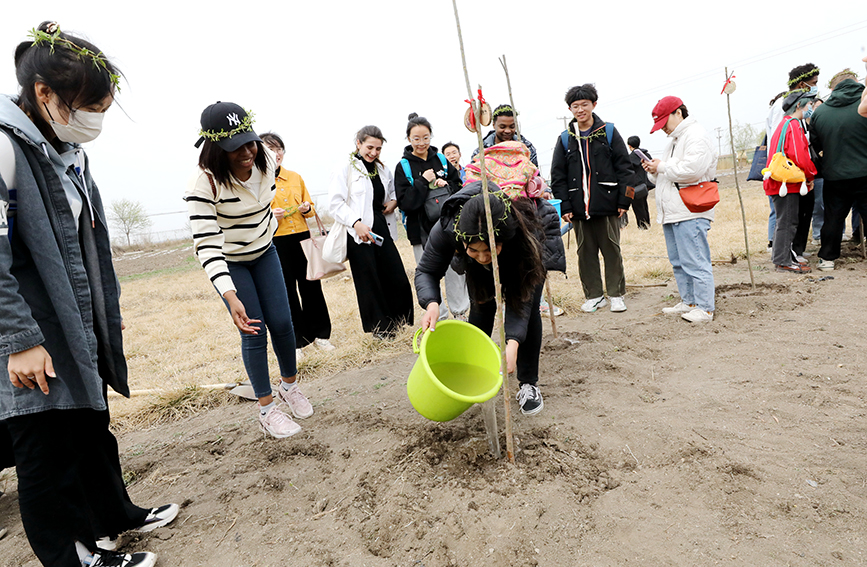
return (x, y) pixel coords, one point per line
(663, 110)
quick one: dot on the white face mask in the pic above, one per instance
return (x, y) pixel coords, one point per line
(83, 126)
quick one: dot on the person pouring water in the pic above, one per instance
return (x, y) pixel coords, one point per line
(462, 235)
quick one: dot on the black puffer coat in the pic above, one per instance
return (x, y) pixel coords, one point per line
(443, 249)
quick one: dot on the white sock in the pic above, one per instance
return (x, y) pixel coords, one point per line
(286, 386)
(265, 409)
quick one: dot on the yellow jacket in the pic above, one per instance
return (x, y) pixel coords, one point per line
(291, 192)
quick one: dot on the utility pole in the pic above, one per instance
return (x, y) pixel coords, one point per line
(565, 120)
(719, 138)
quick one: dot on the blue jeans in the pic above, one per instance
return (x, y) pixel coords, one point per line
(261, 289)
(772, 219)
(818, 208)
(689, 254)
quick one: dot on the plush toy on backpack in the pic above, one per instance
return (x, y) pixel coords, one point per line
(784, 170)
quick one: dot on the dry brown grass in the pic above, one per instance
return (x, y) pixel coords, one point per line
(179, 334)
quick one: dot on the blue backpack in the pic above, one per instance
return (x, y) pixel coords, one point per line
(564, 136)
(404, 163)
(433, 203)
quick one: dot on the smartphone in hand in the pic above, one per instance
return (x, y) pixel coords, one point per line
(377, 239)
(641, 155)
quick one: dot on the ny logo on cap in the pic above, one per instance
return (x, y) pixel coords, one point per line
(233, 119)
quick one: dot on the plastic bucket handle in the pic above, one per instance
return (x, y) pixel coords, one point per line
(416, 346)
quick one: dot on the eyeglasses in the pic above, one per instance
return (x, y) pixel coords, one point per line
(417, 140)
(276, 150)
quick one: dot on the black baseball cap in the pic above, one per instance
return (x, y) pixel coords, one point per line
(227, 125)
(794, 97)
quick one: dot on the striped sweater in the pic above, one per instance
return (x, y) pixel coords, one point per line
(232, 225)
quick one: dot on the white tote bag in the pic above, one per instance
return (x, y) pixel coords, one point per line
(334, 249)
(317, 267)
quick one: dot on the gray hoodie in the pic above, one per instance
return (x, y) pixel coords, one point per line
(58, 288)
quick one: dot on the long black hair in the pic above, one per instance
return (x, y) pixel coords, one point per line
(215, 159)
(76, 80)
(517, 228)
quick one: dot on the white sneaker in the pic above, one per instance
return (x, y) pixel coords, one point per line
(159, 517)
(678, 309)
(278, 424)
(617, 304)
(156, 518)
(698, 316)
(825, 265)
(801, 259)
(296, 401)
(592, 305)
(325, 345)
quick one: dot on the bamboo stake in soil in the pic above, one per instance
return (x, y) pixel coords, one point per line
(548, 296)
(493, 437)
(738, 186)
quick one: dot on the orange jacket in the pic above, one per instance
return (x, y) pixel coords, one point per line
(291, 192)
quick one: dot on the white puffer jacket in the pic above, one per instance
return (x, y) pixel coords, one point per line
(689, 158)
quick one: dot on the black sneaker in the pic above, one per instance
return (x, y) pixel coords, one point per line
(104, 558)
(530, 399)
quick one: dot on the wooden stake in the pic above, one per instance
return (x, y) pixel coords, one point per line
(548, 295)
(738, 186)
(493, 436)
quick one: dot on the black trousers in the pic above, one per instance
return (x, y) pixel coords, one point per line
(642, 214)
(482, 315)
(70, 485)
(384, 295)
(839, 197)
(309, 311)
(805, 217)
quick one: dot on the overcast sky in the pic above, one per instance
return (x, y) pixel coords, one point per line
(315, 72)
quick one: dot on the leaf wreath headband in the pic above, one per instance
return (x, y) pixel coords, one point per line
(504, 110)
(802, 76)
(246, 125)
(847, 72)
(52, 38)
(507, 208)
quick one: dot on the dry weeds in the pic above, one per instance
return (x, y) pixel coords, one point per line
(179, 334)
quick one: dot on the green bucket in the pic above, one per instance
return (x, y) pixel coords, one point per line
(458, 366)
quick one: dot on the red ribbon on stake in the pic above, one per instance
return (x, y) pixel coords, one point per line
(728, 81)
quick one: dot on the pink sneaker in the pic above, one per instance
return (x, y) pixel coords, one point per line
(278, 424)
(296, 401)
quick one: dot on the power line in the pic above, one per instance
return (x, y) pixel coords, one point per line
(749, 60)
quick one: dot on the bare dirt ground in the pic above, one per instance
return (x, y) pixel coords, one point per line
(739, 442)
